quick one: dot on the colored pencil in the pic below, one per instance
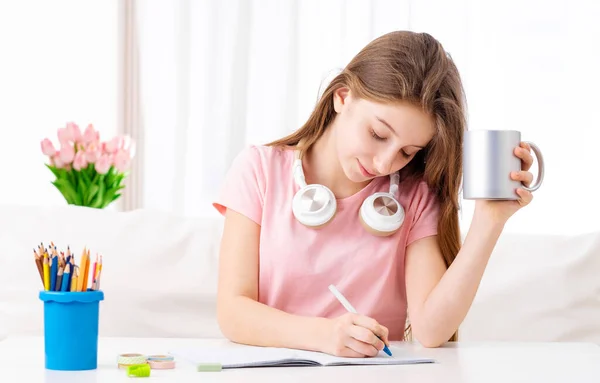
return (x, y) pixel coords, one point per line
(73, 264)
(94, 271)
(53, 272)
(65, 279)
(96, 285)
(59, 278)
(38, 263)
(75, 272)
(83, 271)
(46, 268)
(99, 269)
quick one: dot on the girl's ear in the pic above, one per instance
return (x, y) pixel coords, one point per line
(340, 98)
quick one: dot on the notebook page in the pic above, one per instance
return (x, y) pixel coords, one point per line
(399, 357)
(237, 356)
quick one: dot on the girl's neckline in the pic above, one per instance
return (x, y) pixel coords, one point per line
(362, 193)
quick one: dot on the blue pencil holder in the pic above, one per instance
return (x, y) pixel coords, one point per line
(71, 329)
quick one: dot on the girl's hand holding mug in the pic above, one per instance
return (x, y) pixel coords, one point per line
(501, 211)
(496, 172)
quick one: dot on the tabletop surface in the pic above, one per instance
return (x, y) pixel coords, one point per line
(23, 358)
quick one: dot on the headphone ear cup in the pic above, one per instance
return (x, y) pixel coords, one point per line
(381, 214)
(314, 205)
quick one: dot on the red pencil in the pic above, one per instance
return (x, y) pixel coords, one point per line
(94, 271)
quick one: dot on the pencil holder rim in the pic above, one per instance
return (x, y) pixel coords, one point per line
(68, 296)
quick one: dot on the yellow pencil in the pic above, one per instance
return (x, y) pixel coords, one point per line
(74, 279)
(87, 271)
(46, 273)
(99, 267)
(83, 268)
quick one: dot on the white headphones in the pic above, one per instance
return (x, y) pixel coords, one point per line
(315, 205)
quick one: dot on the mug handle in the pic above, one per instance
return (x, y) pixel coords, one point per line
(540, 160)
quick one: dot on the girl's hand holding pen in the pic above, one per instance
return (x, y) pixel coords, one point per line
(355, 336)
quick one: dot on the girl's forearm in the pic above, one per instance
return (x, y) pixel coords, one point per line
(244, 320)
(448, 303)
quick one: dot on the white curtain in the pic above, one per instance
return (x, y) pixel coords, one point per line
(215, 76)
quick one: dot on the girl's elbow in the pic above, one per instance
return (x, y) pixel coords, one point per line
(431, 343)
(428, 338)
(225, 321)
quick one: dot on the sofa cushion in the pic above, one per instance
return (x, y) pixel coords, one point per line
(539, 288)
(159, 270)
(160, 276)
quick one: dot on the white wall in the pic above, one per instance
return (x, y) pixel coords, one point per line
(533, 66)
(58, 63)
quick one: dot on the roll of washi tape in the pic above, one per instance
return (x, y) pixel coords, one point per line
(138, 370)
(161, 364)
(160, 357)
(125, 360)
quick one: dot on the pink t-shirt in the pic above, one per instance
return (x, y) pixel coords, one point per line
(297, 263)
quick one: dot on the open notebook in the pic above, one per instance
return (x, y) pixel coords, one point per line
(241, 356)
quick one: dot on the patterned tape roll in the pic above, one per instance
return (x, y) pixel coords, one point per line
(160, 357)
(161, 364)
(131, 359)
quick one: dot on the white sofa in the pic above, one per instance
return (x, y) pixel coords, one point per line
(160, 277)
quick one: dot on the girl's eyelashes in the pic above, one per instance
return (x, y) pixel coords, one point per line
(379, 138)
(376, 136)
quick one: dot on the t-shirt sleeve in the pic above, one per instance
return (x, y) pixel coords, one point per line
(426, 216)
(243, 187)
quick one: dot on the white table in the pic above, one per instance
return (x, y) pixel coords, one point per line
(22, 359)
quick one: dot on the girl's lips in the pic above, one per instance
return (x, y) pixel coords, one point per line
(364, 171)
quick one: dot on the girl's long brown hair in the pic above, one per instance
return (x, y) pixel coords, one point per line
(409, 67)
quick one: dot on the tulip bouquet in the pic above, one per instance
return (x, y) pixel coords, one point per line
(88, 172)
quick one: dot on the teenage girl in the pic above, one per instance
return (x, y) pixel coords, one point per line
(364, 196)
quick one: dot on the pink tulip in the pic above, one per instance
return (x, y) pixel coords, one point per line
(56, 161)
(103, 164)
(67, 153)
(92, 153)
(64, 136)
(90, 135)
(74, 132)
(48, 148)
(113, 145)
(80, 162)
(122, 160)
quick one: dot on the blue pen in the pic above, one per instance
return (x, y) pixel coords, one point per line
(349, 307)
